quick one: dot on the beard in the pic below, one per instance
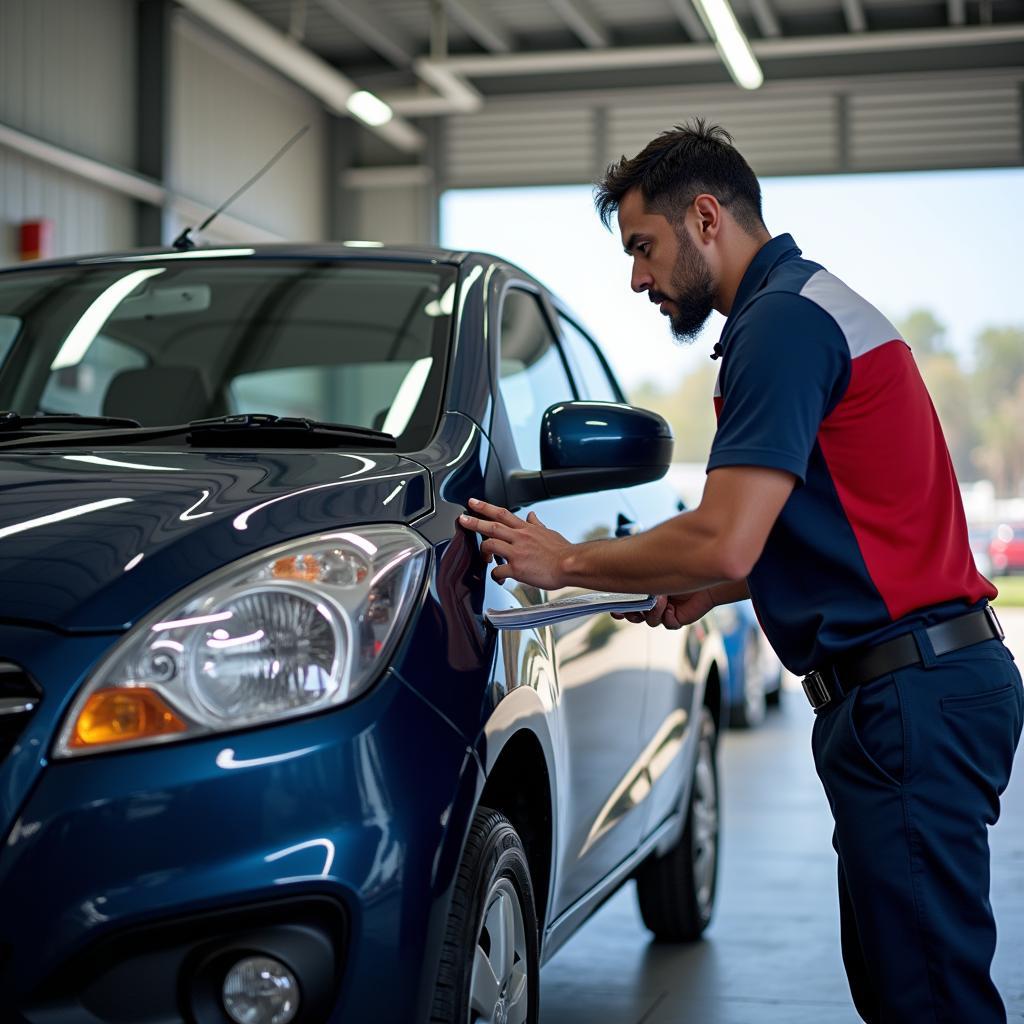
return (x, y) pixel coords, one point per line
(694, 292)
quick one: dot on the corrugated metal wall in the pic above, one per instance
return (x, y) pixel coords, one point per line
(67, 74)
(924, 122)
(228, 117)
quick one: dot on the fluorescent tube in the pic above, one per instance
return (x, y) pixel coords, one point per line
(731, 43)
(368, 108)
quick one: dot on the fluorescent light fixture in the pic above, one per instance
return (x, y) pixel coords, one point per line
(370, 109)
(82, 335)
(731, 43)
(358, 244)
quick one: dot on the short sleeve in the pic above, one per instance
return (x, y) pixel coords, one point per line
(785, 367)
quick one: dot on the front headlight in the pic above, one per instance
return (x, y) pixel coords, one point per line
(289, 631)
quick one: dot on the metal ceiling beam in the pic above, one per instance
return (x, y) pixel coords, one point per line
(620, 57)
(480, 25)
(380, 34)
(856, 19)
(589, 29)
(299, 64)
(767, 23)
(690, 20)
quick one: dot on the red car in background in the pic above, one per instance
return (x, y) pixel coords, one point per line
(1006, 548)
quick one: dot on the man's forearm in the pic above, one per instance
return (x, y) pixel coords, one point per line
(676, 557)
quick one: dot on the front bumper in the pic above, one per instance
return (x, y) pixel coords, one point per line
(349, 812)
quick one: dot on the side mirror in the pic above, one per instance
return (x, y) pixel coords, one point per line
(595, 446)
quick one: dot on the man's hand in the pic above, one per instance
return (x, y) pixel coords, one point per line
(673, 611)
(533, 554)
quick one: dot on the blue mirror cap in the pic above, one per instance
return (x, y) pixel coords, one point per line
(591, 435)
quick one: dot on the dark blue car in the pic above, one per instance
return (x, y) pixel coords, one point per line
(263, 756)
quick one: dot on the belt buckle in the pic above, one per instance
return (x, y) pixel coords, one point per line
(997, 626)
(816, 689)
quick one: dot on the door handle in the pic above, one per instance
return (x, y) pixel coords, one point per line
(625, 527)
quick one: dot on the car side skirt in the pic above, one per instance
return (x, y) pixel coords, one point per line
(563, 927)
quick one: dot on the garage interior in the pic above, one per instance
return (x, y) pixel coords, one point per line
(124, 121)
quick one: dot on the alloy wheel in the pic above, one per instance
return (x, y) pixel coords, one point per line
(704, 809)
(499, 993)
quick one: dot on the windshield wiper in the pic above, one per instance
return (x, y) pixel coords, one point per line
(247, 430)
(282, 431)
(56, 423)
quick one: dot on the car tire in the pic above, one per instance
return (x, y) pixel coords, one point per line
(676, 890)
(490, 967)
(750, 710)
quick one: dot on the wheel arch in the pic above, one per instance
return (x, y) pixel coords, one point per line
(713, 670)
(519, 786)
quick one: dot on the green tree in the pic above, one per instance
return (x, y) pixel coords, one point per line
(949, 387)
(999, 362)
(1002, 451)
(689, 409)
(926, 335)
(998, 391)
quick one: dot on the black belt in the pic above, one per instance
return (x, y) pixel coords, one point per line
(867, 663)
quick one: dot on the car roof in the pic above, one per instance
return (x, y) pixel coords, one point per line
(284, 250)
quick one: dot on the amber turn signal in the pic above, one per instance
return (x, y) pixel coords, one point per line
(123, 714)
(297, 567)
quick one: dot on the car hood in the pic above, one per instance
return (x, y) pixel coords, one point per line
(93, 540)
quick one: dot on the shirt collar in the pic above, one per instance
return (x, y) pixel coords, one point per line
(769, 256)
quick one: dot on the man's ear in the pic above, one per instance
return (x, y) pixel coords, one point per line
(709, 216)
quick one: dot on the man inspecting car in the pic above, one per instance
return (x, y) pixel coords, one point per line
(831, 502)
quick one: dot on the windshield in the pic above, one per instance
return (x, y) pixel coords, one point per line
(167, 340)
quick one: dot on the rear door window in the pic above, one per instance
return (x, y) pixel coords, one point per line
(533, 375)
(595, 381)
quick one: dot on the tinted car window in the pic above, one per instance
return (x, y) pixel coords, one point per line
(591, 375)
(344, 342)
(532, 376)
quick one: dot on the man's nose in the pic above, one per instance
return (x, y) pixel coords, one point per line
(640, 280)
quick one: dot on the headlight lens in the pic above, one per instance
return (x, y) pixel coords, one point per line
(293, 630)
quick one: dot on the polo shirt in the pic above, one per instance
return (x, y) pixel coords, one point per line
(873, 540)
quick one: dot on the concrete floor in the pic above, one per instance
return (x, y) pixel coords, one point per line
(771, 955)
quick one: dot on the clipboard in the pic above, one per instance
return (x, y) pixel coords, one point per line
(590, 603)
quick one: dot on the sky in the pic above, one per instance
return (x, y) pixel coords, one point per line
(947, 241)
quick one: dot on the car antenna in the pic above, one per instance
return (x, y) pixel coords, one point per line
(184, 242)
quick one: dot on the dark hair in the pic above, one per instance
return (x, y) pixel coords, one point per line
(676, 167)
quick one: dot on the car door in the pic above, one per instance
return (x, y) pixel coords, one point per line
(671, 654)
(599, 662)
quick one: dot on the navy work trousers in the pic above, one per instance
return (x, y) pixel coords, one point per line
(913, 765)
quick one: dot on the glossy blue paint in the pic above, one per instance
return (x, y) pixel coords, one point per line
(577, 435)
(368, 804)
(324, 806)
(185, 512)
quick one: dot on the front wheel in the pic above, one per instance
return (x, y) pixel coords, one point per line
(676, 890)
(490, 971)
